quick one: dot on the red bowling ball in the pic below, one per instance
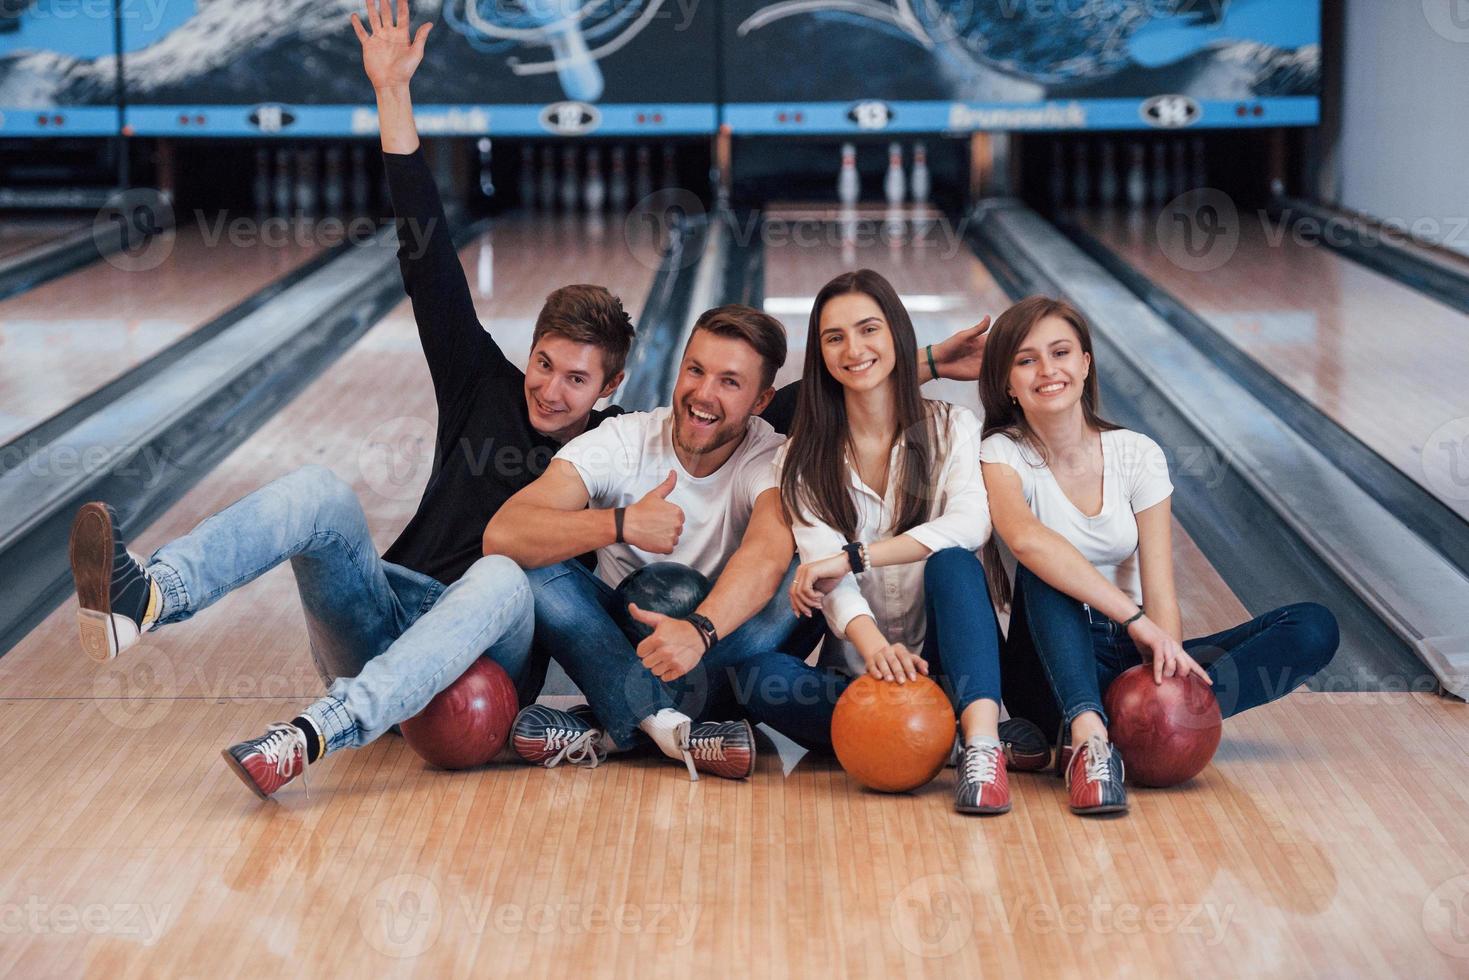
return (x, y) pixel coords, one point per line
(1167, 733)
(468, 722)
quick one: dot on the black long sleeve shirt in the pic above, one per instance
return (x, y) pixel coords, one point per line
(485, 447)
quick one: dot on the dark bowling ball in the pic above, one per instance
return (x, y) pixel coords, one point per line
(467, 722)
(665, 587)
(1167, 733)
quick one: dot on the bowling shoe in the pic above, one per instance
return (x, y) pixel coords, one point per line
(1026, 747)
(984, 784)
(267, 763)
(113, 590)
(720, 748)
(546, 736)
(1094, 779)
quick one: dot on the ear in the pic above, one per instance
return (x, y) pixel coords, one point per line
(613, 383)
(763, 402)
(1086, 360)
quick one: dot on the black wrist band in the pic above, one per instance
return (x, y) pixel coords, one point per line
(931, 365)
(854, 557)
(618, 515)
(1135, 617)
(706, 629)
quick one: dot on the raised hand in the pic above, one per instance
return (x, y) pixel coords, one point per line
(388, 55)
(960, 356)
(653, 524)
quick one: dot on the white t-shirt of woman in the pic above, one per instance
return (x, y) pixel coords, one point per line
(1134, 478)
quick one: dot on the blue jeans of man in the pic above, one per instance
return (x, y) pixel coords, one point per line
(961, 644)
(385, 638)
(576, 628)
(1061, 655)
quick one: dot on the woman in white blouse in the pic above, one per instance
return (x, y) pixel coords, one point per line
(887, 504)
(1082, 505)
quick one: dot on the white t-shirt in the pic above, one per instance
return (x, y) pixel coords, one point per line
(627, 456)
(1134, 478)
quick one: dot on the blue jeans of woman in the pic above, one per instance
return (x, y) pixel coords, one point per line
(1061, 655)
(961, 644)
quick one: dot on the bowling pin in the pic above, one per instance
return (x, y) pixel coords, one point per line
(894, 184)
(486, 168)
(334, 193)
(643, 188)
(670, 167)
(1057, 183)
(596, 188)
(1081, 177)
(617, 186)
(570, 184)
(281, 192)
(1160, 174)
(361, 188)
(484, 268)
(849, 185)
(1107, 186)
(260, 193)
(527, 175)
(548, 177)
(1137, 178)
(922, 182)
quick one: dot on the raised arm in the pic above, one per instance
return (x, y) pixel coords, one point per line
(549, 521)
(749, 581)
(458, 350)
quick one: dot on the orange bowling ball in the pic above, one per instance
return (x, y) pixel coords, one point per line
(893, 737)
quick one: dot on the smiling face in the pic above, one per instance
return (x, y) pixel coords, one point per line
(719, 387)
(1048, 371)
(856, 342)
(563, 380)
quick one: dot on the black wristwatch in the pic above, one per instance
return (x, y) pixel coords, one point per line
(857, 557)
(706, 629)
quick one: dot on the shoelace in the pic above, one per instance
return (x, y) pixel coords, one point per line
(981, 764)
(708, 748)
(284, 737)
(1098, 760)
(578, 748)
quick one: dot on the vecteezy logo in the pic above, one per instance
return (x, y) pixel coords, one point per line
(140, 219)
(402, 916)
(871, 115)
(1446, 917)
(570, 118)
(271, 118)
(395, 458)
(933, 916)
(1448, 18)
(1171, 111)
(1446, 460)
(1199, 231)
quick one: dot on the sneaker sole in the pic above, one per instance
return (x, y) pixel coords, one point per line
(91, 567)
(243, 773)
(1099, 811)
(983, 811)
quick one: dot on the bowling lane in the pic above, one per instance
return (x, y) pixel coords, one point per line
(945, 288)
(65, 338)
(370, 418)
(1382, 360)
(22, 232)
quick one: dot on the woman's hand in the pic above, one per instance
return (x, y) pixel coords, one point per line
(1167, 654)
(894, 662)
(814, 580)
(388, 56)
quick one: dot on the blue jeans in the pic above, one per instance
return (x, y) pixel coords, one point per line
(1061, 656)
(961, 644)
(385, 638)
(575, 627)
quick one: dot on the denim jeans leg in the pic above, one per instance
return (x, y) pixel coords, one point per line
(488, 612)
(791, 696)
(962, 637)
(574, 626)
(1268, 657)
(1061, 632)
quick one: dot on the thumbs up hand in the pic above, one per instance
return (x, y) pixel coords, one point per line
(653, 524)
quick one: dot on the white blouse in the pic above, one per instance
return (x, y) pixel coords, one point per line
(893, 595)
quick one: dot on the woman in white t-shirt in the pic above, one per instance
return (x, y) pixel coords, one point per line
(888, 509)
(1083, 507)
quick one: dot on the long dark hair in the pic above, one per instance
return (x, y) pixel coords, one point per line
(814, 480)
(1003, 414)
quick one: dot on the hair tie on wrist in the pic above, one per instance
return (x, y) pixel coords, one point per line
(1135, 617)
(928, 349)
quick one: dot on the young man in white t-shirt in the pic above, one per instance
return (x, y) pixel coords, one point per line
(685, 484)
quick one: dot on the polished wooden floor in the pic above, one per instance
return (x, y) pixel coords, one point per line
(1327, 839)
